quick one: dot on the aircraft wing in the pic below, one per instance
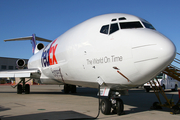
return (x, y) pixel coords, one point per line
(24, 73)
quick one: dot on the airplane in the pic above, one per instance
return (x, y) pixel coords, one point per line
(115, 51)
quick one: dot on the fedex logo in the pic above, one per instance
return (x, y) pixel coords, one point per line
(48, 55)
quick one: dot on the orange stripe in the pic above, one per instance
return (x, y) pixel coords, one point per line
(123, 76)
(104, 91)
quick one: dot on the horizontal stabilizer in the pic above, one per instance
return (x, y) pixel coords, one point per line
(28, 38)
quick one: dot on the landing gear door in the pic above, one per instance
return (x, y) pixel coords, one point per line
(104, 91)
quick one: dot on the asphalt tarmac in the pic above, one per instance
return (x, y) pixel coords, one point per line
(48, 102)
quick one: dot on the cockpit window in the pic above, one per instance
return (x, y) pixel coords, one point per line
(129, 25)
(104, 29)
(114, 28)
(122, 18)
(148, 25)
(109, 29)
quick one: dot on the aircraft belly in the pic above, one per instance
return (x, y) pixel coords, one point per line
(113, 86)
(51, 75)
(49, 81)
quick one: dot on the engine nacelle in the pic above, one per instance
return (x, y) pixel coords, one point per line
(20, 63)
(39, 47)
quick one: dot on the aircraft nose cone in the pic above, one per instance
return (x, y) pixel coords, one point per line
(167, 50)
(152, 58)
(161, 49)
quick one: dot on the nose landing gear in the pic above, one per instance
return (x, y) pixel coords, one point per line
(106, 106)
(114, 103)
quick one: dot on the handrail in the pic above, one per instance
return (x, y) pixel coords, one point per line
(172, 70)
(176, 59)
(174, 66)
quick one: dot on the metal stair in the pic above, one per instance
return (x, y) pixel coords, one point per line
(173, 71)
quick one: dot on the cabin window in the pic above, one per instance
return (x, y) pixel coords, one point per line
(160, 76)
(104, 29)
(114, 28)
(129, 25)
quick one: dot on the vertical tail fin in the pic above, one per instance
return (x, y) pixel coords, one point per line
(33, 42)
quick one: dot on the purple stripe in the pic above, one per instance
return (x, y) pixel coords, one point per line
(33, 41)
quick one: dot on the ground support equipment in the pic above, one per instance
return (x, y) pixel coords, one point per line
(169, 102)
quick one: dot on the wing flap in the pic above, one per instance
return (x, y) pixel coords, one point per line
(25, 73)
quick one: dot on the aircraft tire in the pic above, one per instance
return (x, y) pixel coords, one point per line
(163, 87)
(176, 109)
(119, 106)
(27, 89)
(147, 90)
(175, 88)
(19, 89)
(66, 88)
(73, 88)
(105, 106)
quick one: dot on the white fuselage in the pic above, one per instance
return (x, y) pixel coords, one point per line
(83, 54)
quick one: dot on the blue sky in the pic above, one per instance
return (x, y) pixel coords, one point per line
(51, 18)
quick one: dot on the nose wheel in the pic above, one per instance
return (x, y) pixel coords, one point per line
(106, 106)
(118, 107)
(116, 104)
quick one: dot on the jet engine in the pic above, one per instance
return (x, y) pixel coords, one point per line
(39, 47)
(20, 63)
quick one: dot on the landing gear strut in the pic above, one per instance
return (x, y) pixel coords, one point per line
(23, 87)
(112, 102)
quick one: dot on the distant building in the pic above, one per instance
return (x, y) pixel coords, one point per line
(9, 63)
